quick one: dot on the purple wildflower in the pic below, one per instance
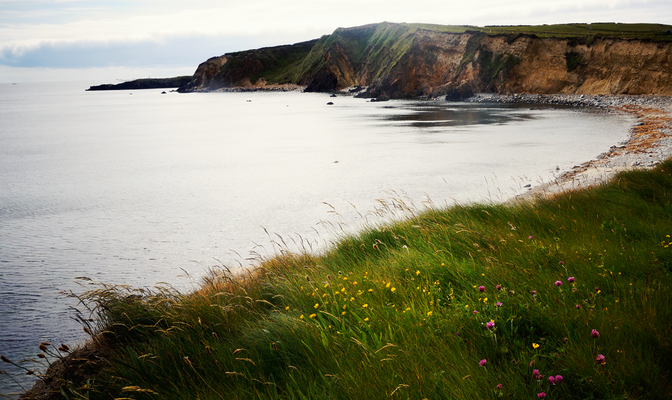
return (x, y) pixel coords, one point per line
(499, 386)
(578, 306)
(475, 312)
(482, 362)
(597, 289)
(481, 289)
(551, 380)
(534, 293)
(558, 283)
(560, 262)
(558, 379)
(498, 304)
(536, 375)
(570, 279)
(541, 395)
(490, 325)
(594, 334)
(600, 359)
(530, 237)
(498, 287)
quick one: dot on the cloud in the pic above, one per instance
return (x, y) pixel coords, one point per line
(167, 51)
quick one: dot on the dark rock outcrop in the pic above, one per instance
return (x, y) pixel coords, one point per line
(145, 83)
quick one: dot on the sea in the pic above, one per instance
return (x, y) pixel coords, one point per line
(152, 187)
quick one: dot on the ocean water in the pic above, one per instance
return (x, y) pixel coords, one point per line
(142, 187)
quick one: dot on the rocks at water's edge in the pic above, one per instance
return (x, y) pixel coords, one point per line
(145, 83)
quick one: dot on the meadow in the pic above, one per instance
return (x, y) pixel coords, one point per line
(561, 298)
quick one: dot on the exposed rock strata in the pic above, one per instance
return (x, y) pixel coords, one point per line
(403, 61)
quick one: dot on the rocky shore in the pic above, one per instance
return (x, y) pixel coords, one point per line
(649, 143)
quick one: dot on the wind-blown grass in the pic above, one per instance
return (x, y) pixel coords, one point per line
(469, 302)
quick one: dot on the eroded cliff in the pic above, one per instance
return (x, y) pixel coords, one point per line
(409, 61)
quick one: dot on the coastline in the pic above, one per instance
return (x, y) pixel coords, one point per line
(649, 142)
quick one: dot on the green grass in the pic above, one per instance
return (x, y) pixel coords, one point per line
(396, 312)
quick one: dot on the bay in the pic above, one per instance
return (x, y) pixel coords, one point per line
(142, 187)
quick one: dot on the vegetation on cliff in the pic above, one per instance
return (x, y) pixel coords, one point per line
(566, 297)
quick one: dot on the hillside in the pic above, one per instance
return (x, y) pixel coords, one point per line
(419, 60)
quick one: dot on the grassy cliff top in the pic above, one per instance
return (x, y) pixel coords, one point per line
(477, 301)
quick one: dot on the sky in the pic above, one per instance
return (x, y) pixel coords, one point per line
(113, 40)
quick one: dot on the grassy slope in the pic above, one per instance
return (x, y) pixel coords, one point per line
(396, 311)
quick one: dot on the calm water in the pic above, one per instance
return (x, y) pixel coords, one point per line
(142, 188)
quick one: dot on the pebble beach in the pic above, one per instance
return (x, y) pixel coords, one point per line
(649, 143)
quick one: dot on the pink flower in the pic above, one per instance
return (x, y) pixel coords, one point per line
(534, 293)
(482, 362)
(594, 334)
(499, 386)
(570, 279)
(558, 379)
(498, 287)
(536, 375)
(490, 325)
(551, 380)
(498, 304)
(558, 283)
(578, 307)
(541, 395)
(481, 289)
(600, 359)
(530, 237)
(475, 312)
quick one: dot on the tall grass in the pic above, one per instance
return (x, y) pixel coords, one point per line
(469, 302)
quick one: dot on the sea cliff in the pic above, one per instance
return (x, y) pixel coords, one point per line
(411, 60)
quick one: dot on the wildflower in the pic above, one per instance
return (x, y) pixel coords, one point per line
(560, 262)
(429, 313)
(490, 325)
(287, 308)
(558, 283)
(498, 287)
(535, 346)
(475, 312)
(301, 317)
(551, 380)
(417, 272)
(597, 289)
(364, 305)
(481, 289)
(600, 359)
(541, 395)
(570, 279)
(578, 306)
(366, 319)
(499, 386)
(534, 293)
(313, 315)
(393, 289)
(536, 375)
(594, 334)
(558, 379)
(316, 305)
(498, 304)
(482, 362)
(530, 237)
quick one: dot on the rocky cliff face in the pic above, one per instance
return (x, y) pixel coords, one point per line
(403, 61)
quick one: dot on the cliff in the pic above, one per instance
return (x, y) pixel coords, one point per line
(412, 60)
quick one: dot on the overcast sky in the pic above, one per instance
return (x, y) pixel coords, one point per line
(125, 39)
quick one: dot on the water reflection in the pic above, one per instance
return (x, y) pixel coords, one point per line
(427, 114)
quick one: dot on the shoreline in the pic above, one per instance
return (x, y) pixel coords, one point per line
(648, 144)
